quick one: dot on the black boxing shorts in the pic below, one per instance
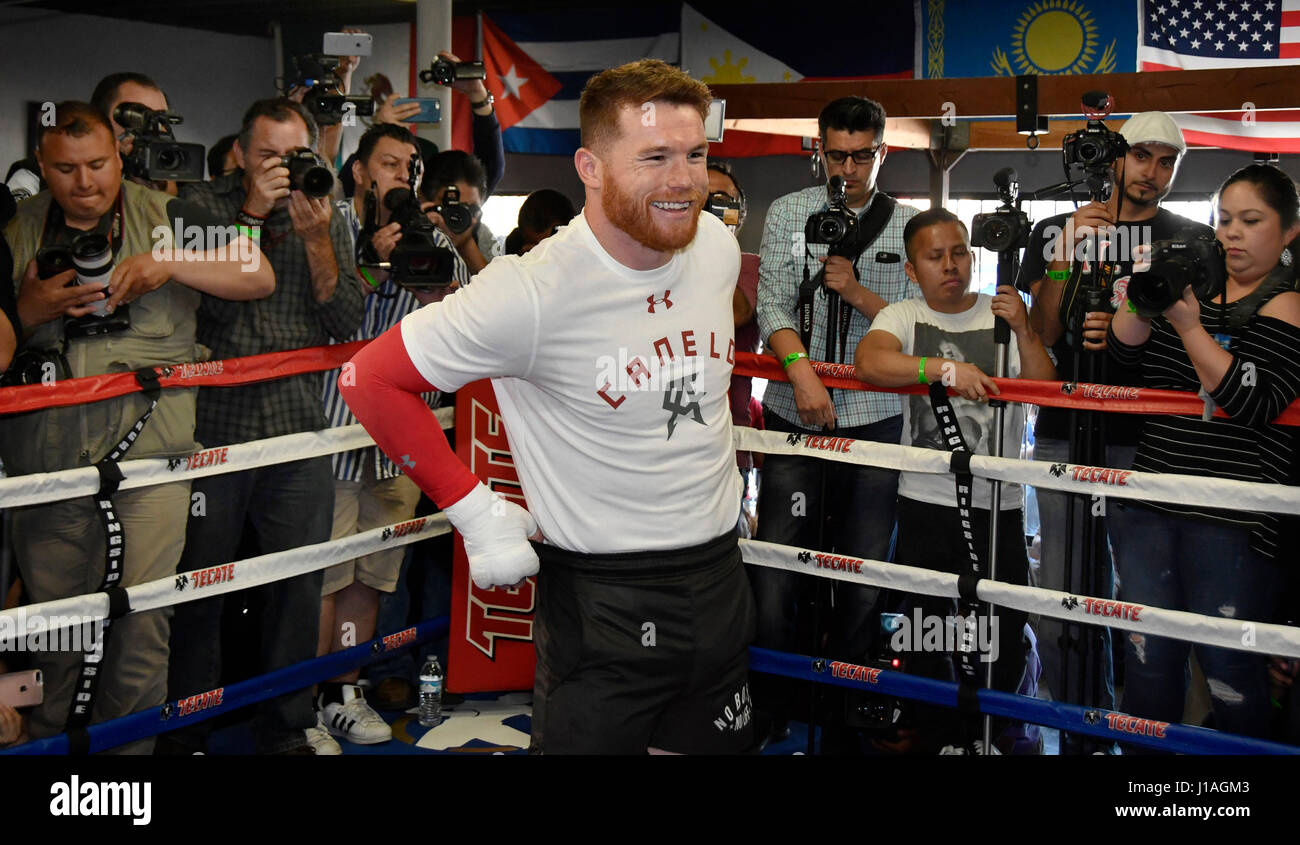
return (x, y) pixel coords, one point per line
(643, 650)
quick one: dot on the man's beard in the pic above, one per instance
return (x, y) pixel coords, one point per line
(634, 217)
(1155, 199)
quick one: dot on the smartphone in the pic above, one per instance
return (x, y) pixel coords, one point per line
(22, 689)
(430, 109)
(347, 44)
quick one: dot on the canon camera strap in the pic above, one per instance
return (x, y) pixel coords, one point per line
(110, 475)
(870, 225)
(967, 602)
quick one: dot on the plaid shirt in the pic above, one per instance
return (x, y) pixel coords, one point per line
(779, 275)
(290, 318)
(385, 308)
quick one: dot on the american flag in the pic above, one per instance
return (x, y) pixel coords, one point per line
(1198, 34)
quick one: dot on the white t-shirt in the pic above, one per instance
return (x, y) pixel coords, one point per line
(967, 336)
(615, 453)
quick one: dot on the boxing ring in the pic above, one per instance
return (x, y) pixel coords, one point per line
(1109, 726)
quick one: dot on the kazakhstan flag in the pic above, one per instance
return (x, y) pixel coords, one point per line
(960, 38)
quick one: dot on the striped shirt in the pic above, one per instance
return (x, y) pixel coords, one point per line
(1263, 379)
(780, 272)
(385, 308)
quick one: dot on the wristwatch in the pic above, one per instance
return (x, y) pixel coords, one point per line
(481, 103)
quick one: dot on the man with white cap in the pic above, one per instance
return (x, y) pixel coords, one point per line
(1058, 247)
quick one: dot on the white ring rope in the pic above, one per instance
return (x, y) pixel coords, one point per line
(44, 487)
(1070, 478)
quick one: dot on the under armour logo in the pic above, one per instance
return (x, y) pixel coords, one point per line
(805, 557)
(794, 439)
(1057, 470)
(1069, 387)
(182, 581)
(1070, 602)
(676, 400)
(667, 303)
(407, 463)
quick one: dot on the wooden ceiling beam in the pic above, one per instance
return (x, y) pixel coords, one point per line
(1180, 91)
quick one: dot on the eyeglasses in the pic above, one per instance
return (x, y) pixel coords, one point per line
(863, 156)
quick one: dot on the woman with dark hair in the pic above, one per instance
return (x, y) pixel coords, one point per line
(1242, 347)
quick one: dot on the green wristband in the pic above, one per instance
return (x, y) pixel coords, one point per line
(1132, 309)
(921, 377)
(791, 358)
(1059, 275)
(365, 274)
(254, 233)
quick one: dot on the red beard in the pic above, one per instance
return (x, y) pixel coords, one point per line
(634, 217)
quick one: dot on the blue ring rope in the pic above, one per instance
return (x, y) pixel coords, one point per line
(151, 722)
(1069, 717)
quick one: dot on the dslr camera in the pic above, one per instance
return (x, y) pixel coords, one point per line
(156, 155)
(455, 213)
(837, 227)
(91, 255)
(1095, 148)
(1175, 264)
(1007, 228)
(308, 173)
(724, 208)
(318, 73)
(417, 262)
(443, 72)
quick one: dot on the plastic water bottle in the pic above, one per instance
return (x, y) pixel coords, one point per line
(431, 692)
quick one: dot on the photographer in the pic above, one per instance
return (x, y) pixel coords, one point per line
(318, 297)
(1239, 342)
(859, 500)
(370, 491)
(1143, 177)
(462, 171)
(61, 547)
(908, 338)
(130, 87)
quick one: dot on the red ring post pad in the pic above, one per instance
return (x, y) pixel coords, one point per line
(227, 373)
(1085, 397)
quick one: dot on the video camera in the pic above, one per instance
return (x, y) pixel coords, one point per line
(318, 73)
(443, 72)
(1095, 148)
(837, 227)
(417, 262)
(1195, 260)
(155, 154)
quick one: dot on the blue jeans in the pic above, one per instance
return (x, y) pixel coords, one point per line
(1181, 563)
(859, 502)
(1053, 506)
(289, 505)
(395, 611)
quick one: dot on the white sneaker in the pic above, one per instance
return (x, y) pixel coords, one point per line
(320, 740)
(354, 719)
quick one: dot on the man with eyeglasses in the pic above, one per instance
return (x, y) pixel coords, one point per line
(800, 494)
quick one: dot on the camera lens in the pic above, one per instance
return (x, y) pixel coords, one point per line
(1152, 292)
(830, 230)
(1089, 152)
(92, 255)
(171, 159)
(997, 234)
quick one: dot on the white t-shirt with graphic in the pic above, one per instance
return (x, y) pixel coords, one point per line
(967, 336)
(612, 383)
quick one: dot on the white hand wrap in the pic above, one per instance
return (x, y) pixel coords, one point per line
(496, 532)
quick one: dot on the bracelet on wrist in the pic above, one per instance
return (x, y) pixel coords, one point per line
(791, 358)
(247, 218)
(921, 377)
(1059, 275)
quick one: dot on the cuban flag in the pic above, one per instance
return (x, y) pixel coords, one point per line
(1198, 34)
(538, 63)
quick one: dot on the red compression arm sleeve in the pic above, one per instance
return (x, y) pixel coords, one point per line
(384, 393)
